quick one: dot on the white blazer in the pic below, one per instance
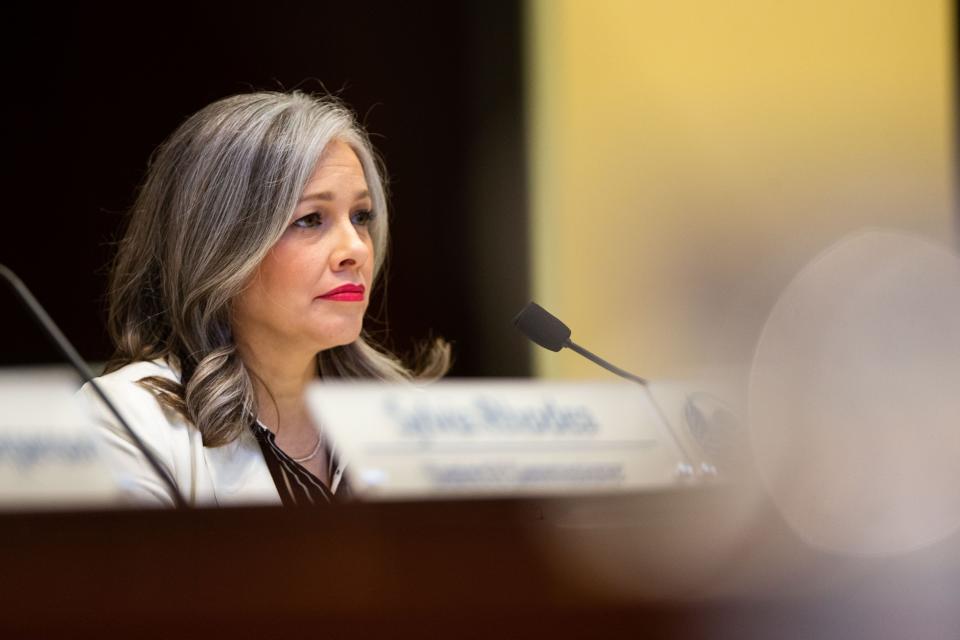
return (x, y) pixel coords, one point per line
(234, 474)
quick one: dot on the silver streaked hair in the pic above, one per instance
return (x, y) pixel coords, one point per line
(218, 194)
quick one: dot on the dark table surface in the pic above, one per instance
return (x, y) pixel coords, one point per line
(699, 564)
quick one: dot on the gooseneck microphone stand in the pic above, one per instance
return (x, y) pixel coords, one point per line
(39, 315)
(548, 331)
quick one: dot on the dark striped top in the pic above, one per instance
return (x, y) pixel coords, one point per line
(297, 486)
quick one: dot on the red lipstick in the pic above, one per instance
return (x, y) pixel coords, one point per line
(345, 293)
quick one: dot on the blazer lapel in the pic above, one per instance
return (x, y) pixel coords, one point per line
(240, 474)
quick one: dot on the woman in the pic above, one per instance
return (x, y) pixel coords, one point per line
(244, 274)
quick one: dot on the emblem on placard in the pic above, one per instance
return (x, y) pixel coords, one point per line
(716, 430)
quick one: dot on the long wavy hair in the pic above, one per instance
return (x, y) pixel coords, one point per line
(218, 194)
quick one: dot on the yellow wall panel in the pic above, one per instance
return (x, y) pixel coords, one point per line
(686, 158)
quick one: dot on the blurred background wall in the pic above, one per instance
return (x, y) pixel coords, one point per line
(653, 172)
(687, 158)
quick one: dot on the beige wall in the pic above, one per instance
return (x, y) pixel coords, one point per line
(688, 157)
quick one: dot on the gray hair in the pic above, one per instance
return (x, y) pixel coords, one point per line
(219, 193)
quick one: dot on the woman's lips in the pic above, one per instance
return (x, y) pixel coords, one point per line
(345, 293)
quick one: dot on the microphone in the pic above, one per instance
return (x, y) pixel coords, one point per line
(548, 331)
(545, 329)
(39, 315)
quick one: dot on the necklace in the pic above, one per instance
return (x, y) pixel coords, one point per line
(312, 454)
(309, 456)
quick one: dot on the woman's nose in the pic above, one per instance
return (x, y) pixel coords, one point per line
(350, 249)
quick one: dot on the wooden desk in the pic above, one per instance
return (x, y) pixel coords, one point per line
(654, 565)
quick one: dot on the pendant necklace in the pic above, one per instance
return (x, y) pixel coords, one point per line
(312, 454)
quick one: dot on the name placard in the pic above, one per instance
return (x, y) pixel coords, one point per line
(49, 455)
(504, 437)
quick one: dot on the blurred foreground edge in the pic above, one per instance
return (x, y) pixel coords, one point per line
(699, 563)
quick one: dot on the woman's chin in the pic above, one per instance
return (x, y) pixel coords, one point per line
(339, 338)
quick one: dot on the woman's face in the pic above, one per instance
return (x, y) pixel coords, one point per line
(312, 289)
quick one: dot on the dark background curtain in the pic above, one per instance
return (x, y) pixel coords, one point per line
(92, 91)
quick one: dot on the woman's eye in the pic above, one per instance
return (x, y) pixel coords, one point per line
(362, 218)
(308, 221)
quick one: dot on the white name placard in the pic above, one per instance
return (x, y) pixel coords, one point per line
(504, 437)
(49, 454)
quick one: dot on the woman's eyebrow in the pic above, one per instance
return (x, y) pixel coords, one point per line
(328, 195)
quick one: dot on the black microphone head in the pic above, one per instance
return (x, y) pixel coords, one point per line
(543, 328)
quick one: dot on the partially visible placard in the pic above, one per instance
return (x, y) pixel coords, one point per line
(49, 455)
(494, 438)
